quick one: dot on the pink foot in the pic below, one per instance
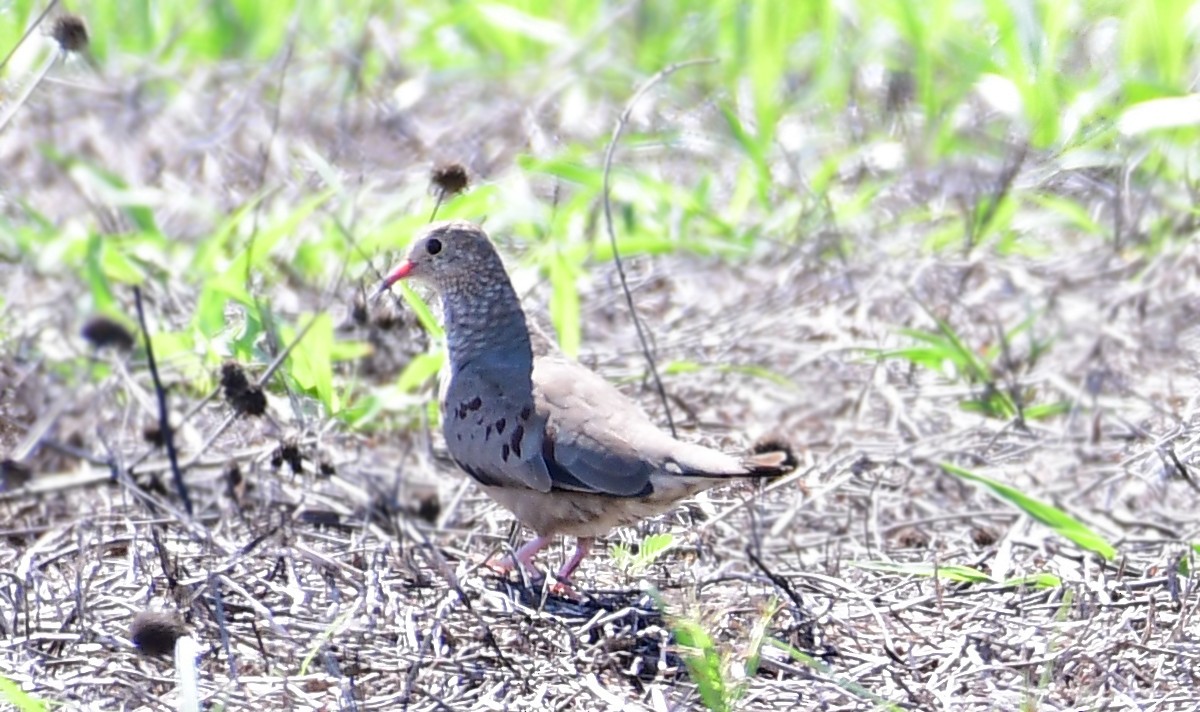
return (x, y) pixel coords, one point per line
(523, 556)
(561, 585)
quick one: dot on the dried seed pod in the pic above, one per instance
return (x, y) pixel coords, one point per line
(70, 32)
(449, 179)
(103, 331)
(155, 632)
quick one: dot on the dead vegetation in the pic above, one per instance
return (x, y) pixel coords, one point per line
(331, 567)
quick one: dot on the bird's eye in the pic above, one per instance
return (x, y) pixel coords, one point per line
(433, 246)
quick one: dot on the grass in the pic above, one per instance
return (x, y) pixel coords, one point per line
(995, 200)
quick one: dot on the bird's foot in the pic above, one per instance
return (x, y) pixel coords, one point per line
(564, 590)
(503, 566)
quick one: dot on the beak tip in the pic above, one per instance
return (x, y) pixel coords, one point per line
(401, 272)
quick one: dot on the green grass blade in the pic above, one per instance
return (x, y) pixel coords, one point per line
(1062, 523)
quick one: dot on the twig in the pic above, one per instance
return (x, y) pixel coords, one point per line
(28, 31)
(38, 75)
(779, 582)
(164, 418)
(612, 235)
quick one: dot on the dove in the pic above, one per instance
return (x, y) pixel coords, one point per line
(550, 440)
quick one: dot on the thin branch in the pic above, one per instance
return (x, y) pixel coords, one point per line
(28, 31)
(164, 418)
(612, 235)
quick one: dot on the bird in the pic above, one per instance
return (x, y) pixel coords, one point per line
(553, 442)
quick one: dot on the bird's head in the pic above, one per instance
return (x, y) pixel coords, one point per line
(446, 254)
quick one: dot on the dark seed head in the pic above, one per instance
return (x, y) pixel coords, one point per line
(13, 474)
(428, 508)
(320, 517)
(245, 397)
(251, 401)
(235, 483)
(102, 331)
(358, 309)
(70, 33)
(449, 179)
(233, 378)
(288, 452)
(153, 434)
(155, 632)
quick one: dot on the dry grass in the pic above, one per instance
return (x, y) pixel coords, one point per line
(354, 582)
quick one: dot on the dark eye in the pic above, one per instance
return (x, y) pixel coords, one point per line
(433, 245)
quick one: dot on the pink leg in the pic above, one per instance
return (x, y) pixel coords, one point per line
(562, 586)
(524, 556)
(583, 547)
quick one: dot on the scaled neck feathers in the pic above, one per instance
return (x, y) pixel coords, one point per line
(485, 322)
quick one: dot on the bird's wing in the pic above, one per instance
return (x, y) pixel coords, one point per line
(597, 440)
(493, 429)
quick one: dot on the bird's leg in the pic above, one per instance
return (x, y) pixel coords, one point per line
(583, 547)
(523, 556)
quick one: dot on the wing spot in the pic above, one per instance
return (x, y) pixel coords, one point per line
(475, 404)
(504, 453)
(487, 434)
(526, 412)
(500, 425)
(518, 434)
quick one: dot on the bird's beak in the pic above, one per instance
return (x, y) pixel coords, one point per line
(401, 272)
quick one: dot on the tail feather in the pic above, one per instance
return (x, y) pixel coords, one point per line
(770, 457)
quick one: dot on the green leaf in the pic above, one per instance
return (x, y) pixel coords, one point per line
(1062, 523)
(311, 362)
(20, 699)
(703, 663)
(958, 573)
(564, 302)
(418, 371)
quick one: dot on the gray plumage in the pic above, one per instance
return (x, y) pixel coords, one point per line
(550, 440)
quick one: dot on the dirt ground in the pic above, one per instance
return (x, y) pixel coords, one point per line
(346, 572)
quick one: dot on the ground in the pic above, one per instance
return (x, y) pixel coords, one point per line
(337, 562)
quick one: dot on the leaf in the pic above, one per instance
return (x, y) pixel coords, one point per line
(19, 698)
(311, 362)
(418, 371)
(958, 573)
(1156, 114)
(1062, 523)
(564, 302)
(703, 663)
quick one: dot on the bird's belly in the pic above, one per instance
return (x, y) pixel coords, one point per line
(575, 513)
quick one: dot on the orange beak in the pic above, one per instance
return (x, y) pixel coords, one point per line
(401, 272)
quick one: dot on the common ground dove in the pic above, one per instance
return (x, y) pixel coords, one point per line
(554, 443)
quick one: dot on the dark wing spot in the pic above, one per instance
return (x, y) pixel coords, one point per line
(487, 434)
(504, 453)
(526, 412)
(500, 425)
(518, 433)
(475, 404)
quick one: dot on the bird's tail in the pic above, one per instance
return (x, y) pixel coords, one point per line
(769, 458)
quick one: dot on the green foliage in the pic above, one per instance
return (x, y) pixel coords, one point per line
(649, 551)
(22, 701)
(959, 574)
(1062, 523)
(703, 663)
(945, 352)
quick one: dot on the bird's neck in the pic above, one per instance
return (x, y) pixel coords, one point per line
(485, 322)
